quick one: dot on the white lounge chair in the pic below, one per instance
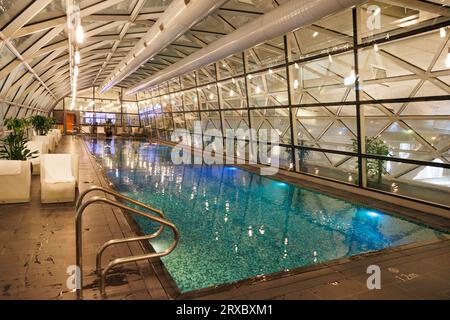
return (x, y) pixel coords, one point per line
(48, 141)
(15, 181)
(86, 129)
(40, 147)
(57, 133)
(59, 177)
(54, 136)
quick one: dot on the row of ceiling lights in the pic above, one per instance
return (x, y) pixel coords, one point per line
(79, 39)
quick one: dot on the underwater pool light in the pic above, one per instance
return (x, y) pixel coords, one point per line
(373, 214)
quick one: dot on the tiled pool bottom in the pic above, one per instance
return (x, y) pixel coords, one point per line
(236, 225)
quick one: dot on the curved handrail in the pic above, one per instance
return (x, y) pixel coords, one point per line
(137, 258)
(107, 244)
(121, 196)
(118, 195)
(79, 237)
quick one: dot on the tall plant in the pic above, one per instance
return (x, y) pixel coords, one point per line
(14, 144)
(303, 155)
(375, 167)
(41, 124)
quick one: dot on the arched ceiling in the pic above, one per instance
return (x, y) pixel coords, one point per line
(34, 46)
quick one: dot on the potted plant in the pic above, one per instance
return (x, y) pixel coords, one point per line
(14, 144)
(375, 167)
(40, 124)
(50, 123)
(303, 155)
(108, 128)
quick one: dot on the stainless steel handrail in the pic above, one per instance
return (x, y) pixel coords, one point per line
(121, 196)
(107, 244)
(118, 195)
(79, 240)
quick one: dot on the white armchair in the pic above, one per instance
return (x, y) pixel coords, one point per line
(49, 145)
(38, 146)
(15, 181)
(57, 134)
(59, 177)
(54, 138)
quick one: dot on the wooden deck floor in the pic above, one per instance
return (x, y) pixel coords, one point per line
(37, 244)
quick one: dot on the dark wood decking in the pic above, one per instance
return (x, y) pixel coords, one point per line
(37, 244)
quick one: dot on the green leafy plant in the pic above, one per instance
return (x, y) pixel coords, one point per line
(108, 127)
(375, 167)
(41, 124)
(303, 155)
(14, 144)
(50, 123)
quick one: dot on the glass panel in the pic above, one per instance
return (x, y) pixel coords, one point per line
(176, 101)
(6, 57)
(10, 9)
(188, 80)
(268, 88)
(235, 119)
(325, 36)
(210, 121)
(53, 10)
(83, 104)
(420, 182)
(333, 166)
(266, 55)
(178, 121)
(233, 94)
(207, 74)
(418, 130)
(399, 69)
(129, 107)
(168, 122)
(266, 120)
(208, 97)
(59, 105)
(174, 84)
(190, 100)
(164, 88)
(166, 104)
(190, 118)
(383, 18)
(331, 127)
(329, 79)
(231, 67)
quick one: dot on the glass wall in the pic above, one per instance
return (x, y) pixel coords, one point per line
(361, 97)
(94, 108)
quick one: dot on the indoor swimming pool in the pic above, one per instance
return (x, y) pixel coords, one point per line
(236, 225)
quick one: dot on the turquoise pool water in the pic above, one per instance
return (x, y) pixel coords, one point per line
(236, 225)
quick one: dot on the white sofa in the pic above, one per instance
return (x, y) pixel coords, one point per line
(59, 177)
(15, 181)
(41, 148)
(49, 142)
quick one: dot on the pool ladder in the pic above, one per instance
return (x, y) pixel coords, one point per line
(158, 218)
